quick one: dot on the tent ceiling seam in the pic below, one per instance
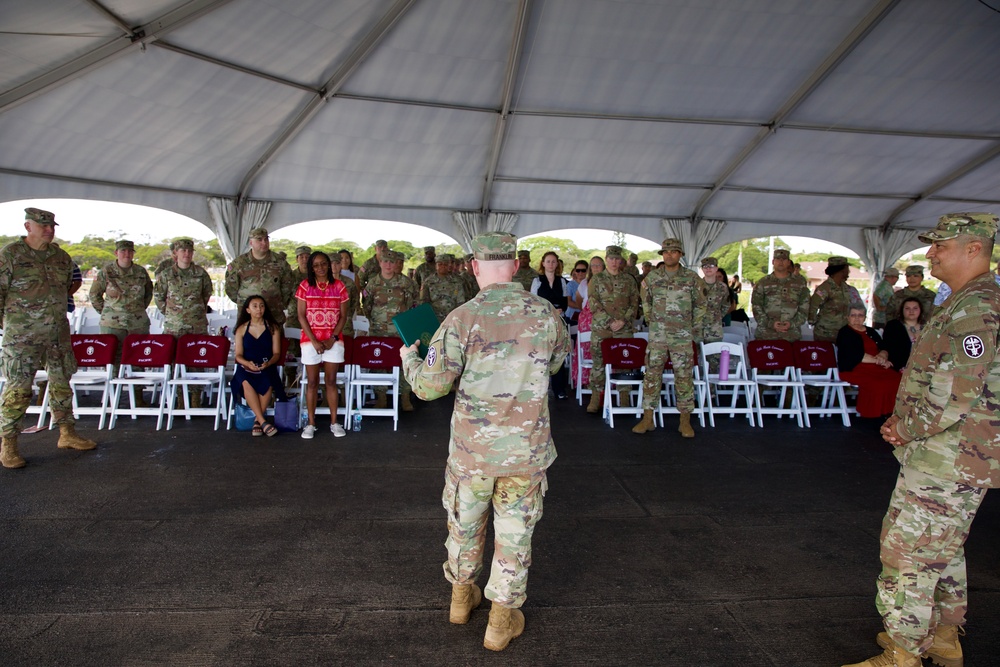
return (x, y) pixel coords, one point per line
(163, 44)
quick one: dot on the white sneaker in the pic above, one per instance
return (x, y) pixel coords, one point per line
(337, 430)
(308, 431)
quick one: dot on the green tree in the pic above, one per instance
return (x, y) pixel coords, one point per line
(755, 265)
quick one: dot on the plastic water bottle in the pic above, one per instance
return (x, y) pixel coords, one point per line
(303, 417)
(607, 415)
(356, 421)
(724, 365)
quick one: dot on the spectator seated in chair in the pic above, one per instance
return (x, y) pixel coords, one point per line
(258, 354)
(863, 361)
(901, 334)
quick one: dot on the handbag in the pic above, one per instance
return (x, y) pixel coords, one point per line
(286, 415)
(245, 418)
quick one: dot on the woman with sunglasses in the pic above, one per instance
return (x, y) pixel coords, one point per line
(572, 304)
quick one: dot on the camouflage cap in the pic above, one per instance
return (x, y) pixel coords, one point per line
(40, 216)
(983, 225)
(124, 244)
(446, 257)
(258, 233)
(710, 261)
(381, 243)
(493, 246)
(634, 257)
(469, 257)
(429, 248)
(613, 251)
(891, 271)
(782, 253)
(671, 244)
(303, 250)
(182, 244)
(397, 255)
(915, 270)
(524, 253)
(836, 260)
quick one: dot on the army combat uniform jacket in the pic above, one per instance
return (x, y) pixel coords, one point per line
(270, 277)
(121, 296)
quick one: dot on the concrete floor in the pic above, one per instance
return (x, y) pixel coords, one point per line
(192, 547)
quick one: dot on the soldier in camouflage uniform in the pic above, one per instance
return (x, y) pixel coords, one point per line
(121, 293)
(947, 445)
(503, 345)
(881, 297)
(673, 298)
(524, 274)
(914, 288)
(427, 269)
(445, 291)
(261, 271)
(831, 302)
(182, 292)
(372, 265)
(716, 300)
(632, 269)
(352, 304)
(614, 302)
(386, 295)
(299, 273)
(780, 302)
(35, 277)
(469, 280)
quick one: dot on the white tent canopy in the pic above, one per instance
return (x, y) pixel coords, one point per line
(757, 117)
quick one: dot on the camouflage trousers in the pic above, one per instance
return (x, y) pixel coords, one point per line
(185, 329)
(682, 355)
(120, 335)
(517, 507)
(597, 372)
(18, 364)
(923, 580)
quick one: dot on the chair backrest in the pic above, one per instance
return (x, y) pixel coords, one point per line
(770, 357)
(381, 352)
(349, 349)
(148, 350)
(201, 351)
(94, 350)
(736, 354)
(624, 352)
(815, 357)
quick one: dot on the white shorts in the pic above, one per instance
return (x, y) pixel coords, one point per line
(335, 355)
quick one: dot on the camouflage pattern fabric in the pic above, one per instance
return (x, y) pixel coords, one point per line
(677, 311)
(292, 310)
(121, 296)
(828, 308)
(34, 286)
(610, 298)
(354, 300)
(270, 277)
(780, 300)
(368, 270)
(182, 296)
(517, 503)
(471, 285)
(444, 293)
(634, 272)
(884, 292)
(423, 272)
(525, 276)
(716, 308)
(925, 295)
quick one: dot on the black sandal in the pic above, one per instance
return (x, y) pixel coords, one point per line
(268, 429)
(257, 430)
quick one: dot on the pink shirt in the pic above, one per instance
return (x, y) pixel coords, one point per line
(322, 307)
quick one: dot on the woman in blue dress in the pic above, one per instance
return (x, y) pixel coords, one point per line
(258, 354)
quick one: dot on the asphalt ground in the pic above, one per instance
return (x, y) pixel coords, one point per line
(744, 546)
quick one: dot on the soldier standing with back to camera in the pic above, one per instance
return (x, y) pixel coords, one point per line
(503, 345)
(944, 432)
(35, 277)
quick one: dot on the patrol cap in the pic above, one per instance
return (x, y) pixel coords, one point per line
(397, 256)
(429, 248)
(493, 246)
(710, 261)
(124, 244)
(915, 270)
(613, 251)
(303, 250)
(524, 253)
(836, 260)
(182, 244)
(258, 233)
(891, 271)
(381, 243)
(983, 225)
(634, 257)
(446, 257)
(469, 257)
(671, 244)
(40, 216)
(782, 253)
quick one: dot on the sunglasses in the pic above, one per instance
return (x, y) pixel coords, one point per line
(579, 270)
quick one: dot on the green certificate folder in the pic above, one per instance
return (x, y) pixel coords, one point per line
(417, 325)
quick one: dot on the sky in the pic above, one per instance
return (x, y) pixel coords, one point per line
(78, 218)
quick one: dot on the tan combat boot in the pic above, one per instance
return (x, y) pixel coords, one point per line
(893, 656)
(380, 401)
(647, 424)
(70, 439)
(464, 598)
(505, 624)
(404, 402)
(625, 398)
(9, 456)
(685, 428)
(195, 398)
(594, 407)
(946, 650)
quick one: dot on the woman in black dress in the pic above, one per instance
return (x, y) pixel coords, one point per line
(258, 353)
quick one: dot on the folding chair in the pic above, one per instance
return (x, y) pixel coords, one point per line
(668, 397)
(200, 364)
(374, 353)
(772, 368)
(738, 382)
(95, 364)
(581, 363)
(816, 366)
(146, 360)
(628, 355)
(344, 374)
(230, 400)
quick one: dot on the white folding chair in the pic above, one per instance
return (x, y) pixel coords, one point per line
(816, 366)
(199, 364)
(581, 363)
(373, 354)
(772, 368)
(146, 360)
(668, 394)
(95, 364)
(738, 381)
(624, 368)
(344, 374)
